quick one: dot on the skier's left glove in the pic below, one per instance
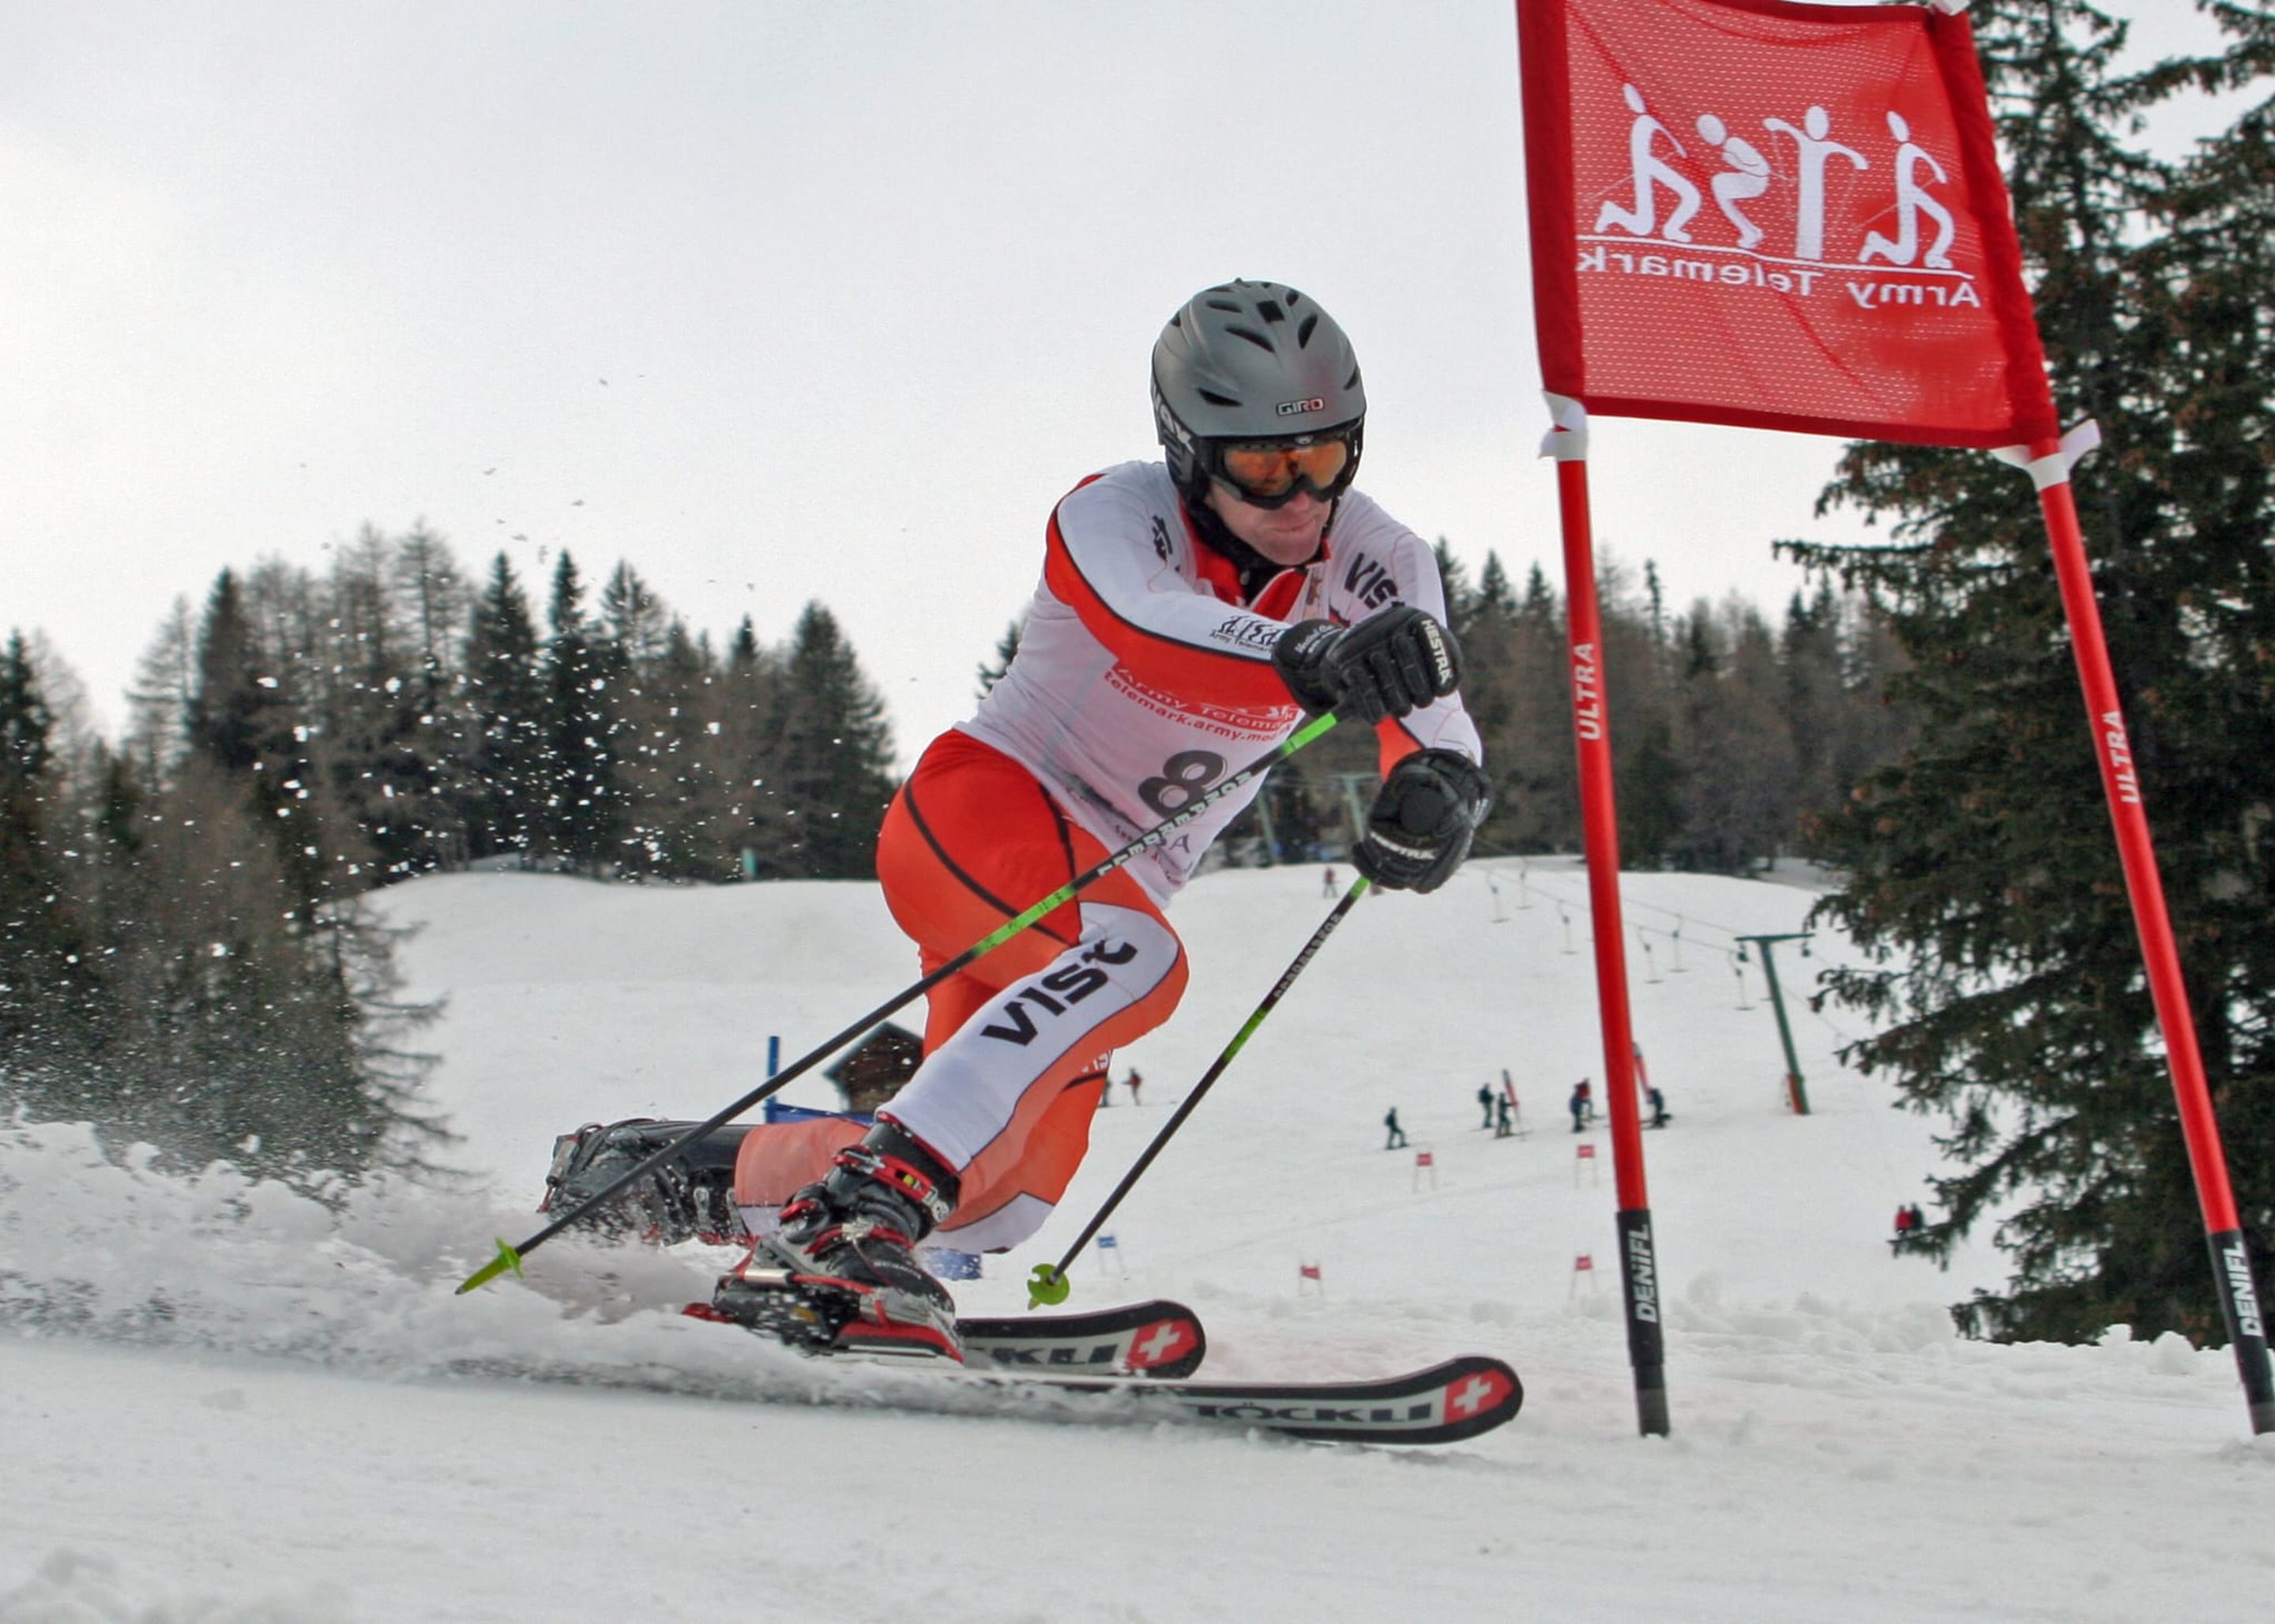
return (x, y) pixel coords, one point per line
(1423, 817)
(1395, 660)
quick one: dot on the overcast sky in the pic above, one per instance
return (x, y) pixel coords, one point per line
(777, 302)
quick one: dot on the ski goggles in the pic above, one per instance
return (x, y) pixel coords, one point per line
(1268, 474)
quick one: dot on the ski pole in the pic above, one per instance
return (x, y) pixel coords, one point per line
(510, 1257)
(1048, 1283)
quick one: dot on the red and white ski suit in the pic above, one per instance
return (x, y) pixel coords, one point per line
(1141, 679)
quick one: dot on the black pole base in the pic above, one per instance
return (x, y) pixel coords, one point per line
(2247, 1330)
(1651, 1403)
(1646, 1347)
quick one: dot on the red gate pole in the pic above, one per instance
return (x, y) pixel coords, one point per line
(1567, 443)
(2048, 464)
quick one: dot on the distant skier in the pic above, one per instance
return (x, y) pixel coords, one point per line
(1328, 882)
(1504, 1126)
(1485, 1103)
(1396, 1141)
(1582, 1107)
(1132, 1083)
(1909, 1220)
(1658, 1117)
(1189, 614)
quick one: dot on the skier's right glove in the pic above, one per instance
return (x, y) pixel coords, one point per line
(1423, 816)
(1388, 664)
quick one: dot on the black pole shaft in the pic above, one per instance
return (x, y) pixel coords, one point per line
(1208, 1079)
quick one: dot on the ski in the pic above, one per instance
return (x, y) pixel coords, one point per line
(1128, 1364)
(1154, 1341)
(1441, 1404)
(1158, 1340)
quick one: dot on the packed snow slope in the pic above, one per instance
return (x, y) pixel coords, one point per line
(224, 1401)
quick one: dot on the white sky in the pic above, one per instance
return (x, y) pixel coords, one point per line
(777, 302)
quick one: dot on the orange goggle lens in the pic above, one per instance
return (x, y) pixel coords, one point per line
(1276, 469)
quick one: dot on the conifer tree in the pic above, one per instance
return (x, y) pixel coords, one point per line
(675, 766)
(1653, 781)
(750, 704)
(1460, 597)
(502, 788)
(49, 993)
(430, 600)
(1810, 652)
(584, 820)
(1738, 799)
(361, 680)
(1490, 677)
(1531, 755)
(232, 711)
(834, 754)
(1495, 595)
(158, 731)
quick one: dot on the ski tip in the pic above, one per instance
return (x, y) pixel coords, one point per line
(1047, 1285)
(507, 1258)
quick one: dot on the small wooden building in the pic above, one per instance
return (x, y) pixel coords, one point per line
(874, 1069)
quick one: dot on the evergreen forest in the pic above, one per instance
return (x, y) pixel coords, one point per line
(186, 956)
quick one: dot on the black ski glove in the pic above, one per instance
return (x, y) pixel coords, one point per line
(1419, 829)
(1388, 664)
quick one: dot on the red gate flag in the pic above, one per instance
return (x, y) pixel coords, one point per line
(1777, 215)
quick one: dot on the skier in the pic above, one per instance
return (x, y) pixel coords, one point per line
(1395, 1140)
(1578, 1105)
(1134, 1082)
(1189, 611)
(1504, 1127)
(1909, 1220)
(1658, 1117)
(1485, 1103)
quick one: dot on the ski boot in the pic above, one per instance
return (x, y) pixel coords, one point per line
(690, 1196)
(841, 1274)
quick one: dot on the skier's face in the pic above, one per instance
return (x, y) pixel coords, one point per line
(1287, 535)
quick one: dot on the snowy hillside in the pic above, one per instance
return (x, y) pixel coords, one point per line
(219, 1402)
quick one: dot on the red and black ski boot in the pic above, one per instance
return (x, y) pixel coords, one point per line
(840, 1272)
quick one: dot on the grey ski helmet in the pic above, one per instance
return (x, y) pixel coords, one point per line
(1250, 361)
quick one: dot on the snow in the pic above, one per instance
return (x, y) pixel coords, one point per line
(221, 1401)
